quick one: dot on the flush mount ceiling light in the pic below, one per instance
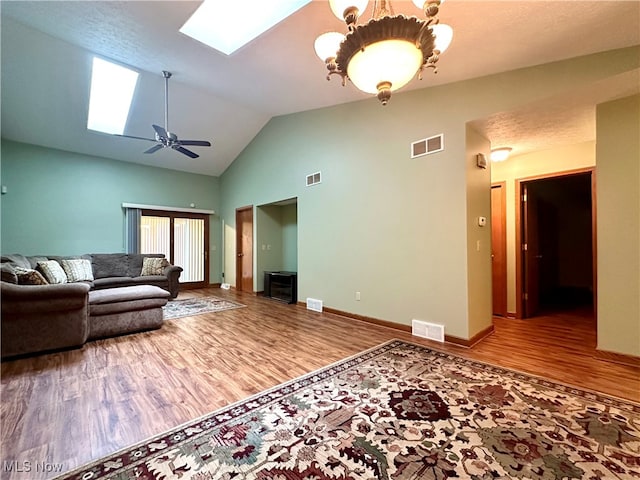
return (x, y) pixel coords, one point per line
(385, 53)
(500, 154)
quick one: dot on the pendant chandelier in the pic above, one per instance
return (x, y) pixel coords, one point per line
(385, 53)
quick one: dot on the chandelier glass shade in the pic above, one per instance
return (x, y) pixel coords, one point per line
(388, 51)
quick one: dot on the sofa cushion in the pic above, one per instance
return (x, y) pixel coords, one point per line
(153, 266)
(8, 273)
(109, 265)
(125, 294)
(77, 269)
(112, 282)
(17, 260)
(52, 271)
(33, 260)
(125, 299)
(28, 276)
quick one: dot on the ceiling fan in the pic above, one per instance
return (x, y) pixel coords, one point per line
(166, 139)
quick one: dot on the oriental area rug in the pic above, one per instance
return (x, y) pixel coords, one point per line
(195, 306)
(398, 411)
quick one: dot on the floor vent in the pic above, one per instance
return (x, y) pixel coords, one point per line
(313, 304)
(314, 179)
(432, 331)
(428, 145)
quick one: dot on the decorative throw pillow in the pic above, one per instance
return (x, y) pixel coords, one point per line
(27, 276)
(52, 271)
(77, 269)
(153, 266)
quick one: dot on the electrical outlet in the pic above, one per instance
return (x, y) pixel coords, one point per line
(358, 296)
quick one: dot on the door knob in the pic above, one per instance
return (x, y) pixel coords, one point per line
(241, 254)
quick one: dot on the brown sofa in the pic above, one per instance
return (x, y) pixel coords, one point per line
(109, 269)
(39, 318)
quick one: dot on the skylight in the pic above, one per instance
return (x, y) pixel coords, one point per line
(227, 26)
(112, 88)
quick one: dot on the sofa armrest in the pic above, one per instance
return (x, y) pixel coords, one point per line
(33, 298)
(39, 318)
(172, 272)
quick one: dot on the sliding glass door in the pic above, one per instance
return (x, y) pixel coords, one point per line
(182, 238)
(189, 250)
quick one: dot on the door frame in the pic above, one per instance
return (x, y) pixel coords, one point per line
(172, 216)
(240, 211)
(503, 221)
(519, 185)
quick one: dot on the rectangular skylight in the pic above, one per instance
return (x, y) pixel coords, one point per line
(112, 88)
(227, 26)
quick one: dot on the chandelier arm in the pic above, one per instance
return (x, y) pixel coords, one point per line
(431, 61)
(343, 76)
(425, 27)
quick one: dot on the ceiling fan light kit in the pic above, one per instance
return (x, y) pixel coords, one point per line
(388, 51)
(164, 138)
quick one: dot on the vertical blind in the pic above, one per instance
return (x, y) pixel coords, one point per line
(189, 248)
(154, 235)
(132, 219)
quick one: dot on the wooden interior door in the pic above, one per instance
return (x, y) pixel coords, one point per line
(531, 252)
(244, 249)
(499, 249)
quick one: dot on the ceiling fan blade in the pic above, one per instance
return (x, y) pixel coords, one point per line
(188, 153)
(199, 143)
(154, 149)
(137, 138)
(162, 133)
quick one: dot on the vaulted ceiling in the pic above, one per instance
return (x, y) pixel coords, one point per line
(47, 48)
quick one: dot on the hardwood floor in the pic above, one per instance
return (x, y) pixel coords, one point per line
(64, 409)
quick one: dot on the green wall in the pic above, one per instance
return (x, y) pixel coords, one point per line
(268, 251)
(395, 229)
(618, 225)
(290, 237)
(62, 203)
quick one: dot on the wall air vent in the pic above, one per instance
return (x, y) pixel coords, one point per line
(432, 331)
(428, 145)
(314, 304)
(313, 179)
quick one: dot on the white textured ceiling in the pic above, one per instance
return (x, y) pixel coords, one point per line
(47, 48)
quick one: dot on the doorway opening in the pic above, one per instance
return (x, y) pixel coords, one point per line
(556, 232)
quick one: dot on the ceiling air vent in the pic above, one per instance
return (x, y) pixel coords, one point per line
(428, 145)
(313, 179)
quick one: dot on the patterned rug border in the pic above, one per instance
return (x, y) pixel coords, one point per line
(234, 307)
(234, 410)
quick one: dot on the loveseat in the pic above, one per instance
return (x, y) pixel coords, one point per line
(110, 296)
